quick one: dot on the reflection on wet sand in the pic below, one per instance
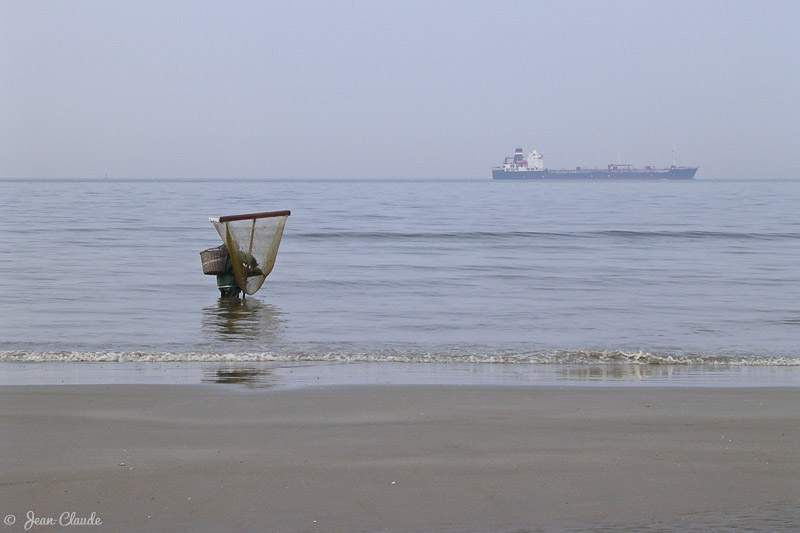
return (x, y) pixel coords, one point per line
(616, 372)
(253, 377)
(232, 319)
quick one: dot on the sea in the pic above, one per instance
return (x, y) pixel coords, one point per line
(610, 282)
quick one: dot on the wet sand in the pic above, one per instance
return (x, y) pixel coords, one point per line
(394, 458)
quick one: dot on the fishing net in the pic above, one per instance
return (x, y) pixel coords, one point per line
(252, 242)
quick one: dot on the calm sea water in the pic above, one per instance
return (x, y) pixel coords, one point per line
(468, 271)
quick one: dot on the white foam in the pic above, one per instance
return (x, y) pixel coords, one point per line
(472, 356)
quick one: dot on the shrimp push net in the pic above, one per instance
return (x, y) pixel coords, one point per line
(257, 235)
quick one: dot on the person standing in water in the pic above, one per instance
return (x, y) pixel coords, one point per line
(226, 282)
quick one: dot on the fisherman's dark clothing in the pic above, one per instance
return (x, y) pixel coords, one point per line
(226, 282)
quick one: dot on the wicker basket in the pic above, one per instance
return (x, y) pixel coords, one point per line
(214, 260)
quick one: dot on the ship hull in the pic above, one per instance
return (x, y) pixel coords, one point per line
(681, 173)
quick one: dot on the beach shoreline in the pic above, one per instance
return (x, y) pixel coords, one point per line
(302, 374)
(397, 457)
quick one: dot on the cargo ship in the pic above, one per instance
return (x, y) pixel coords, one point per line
(531, 167)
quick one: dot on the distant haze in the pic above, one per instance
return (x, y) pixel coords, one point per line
(394, 90)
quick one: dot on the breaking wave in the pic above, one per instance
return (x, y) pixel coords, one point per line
(484, 356)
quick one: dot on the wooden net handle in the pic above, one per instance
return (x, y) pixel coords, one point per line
(255, 215)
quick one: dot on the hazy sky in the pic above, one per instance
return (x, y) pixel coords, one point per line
(385, 89)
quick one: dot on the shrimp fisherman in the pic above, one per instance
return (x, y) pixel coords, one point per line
(238, 271)
(226, 282)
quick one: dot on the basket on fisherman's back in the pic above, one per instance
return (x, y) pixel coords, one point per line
(214, 260)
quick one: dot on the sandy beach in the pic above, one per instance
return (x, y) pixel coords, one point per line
(395, 458)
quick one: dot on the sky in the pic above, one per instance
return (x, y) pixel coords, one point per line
(183, 89)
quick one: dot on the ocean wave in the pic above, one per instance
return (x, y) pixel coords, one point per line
(483, 235)
(557, 357)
